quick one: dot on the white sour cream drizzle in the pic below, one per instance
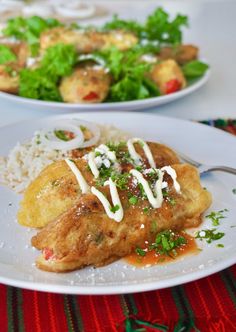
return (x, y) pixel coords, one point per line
(172, 173)
(79, 177)
(92, 164)
(155, 201)
(117, 215)
(154, 197)
(135, 156)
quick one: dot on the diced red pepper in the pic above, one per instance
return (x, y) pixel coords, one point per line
(91, 96)
(69, 134)
(173, 86)
(47, 253)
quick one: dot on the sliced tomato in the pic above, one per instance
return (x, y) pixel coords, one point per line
(47, 253)
(91, 96)
(173, 86)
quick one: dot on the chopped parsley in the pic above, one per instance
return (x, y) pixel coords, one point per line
(166, 242)
(220, 245)
(121, 180)
(171, 200)
(209, 235)
(146, 210)
(133, 200)
(234, 191)
(140, 252)
(215, 217)
(115, 208)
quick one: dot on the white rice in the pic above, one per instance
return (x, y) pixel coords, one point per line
(26, 160)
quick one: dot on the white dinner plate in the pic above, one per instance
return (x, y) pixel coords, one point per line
(115, 106)
(199, 141)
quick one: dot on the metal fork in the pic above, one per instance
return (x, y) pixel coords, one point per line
(205, 168)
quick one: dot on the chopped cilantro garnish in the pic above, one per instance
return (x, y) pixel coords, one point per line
(167, 241)
(139, 168)
(216, 216)
(220, 245)
(140, 252)
(171, 200)
(146, 210)
(209, 234)
(115, 208)
(121, 180)
(133, 200)
(142, 191)
(97, 154)
(116, 146)
(165, 193)
(234, 191)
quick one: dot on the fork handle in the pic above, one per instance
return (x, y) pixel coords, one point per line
(231, 170)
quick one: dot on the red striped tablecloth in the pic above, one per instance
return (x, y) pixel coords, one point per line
(206, 305)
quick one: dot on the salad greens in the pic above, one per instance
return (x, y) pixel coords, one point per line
(130, 74)
(29, 29)
(157, 26)
(194, 69)
(6, 55)
(41, 83)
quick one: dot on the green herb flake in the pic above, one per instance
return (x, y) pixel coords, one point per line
(133, 200)
(220, 245)
(172, 201)
(140, 252)
(115, 208)
(215, 217)
(146, 210)
(166, 242)
(234, 191)
(209, 235)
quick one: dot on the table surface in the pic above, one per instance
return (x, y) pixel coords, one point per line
(212, 27)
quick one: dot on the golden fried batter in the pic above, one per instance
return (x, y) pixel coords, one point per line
(85, 85)
(56, 189)
(84, 235)
(181, 53)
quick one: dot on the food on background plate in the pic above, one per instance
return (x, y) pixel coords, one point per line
(100, 202)
(120, 61)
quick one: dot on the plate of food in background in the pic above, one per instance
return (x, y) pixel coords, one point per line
(108, 207)
(122, 65)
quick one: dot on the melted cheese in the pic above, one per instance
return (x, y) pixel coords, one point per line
(135, 156)
(117, 215)
(79, 177)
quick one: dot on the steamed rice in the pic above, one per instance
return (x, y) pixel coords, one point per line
(26, 160)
